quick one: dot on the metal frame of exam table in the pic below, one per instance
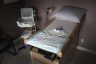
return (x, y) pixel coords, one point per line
(75, 34)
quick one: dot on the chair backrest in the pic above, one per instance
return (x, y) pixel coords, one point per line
(27, 13)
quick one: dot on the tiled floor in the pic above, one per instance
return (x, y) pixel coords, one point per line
(82, 57)
(24, 57)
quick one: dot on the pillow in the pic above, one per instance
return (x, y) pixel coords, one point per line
(70, 14)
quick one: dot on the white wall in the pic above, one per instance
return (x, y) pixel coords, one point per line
(9, 1)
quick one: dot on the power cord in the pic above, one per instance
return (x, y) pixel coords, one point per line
(49, 11)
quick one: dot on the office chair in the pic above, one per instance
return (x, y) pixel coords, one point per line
(6, 42)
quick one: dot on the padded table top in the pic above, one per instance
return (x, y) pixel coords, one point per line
(52, 43)
(68, 27)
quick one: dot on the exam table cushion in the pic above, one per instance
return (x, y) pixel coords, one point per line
(70, 14)
(53, 44)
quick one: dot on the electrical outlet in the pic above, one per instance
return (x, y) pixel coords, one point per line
(82, 40)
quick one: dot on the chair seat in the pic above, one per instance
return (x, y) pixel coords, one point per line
(4, 44)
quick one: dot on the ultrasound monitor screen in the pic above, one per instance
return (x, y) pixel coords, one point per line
(26, 12)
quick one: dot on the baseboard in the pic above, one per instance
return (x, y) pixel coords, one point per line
(86, 50)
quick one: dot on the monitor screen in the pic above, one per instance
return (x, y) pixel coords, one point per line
(26, 13)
